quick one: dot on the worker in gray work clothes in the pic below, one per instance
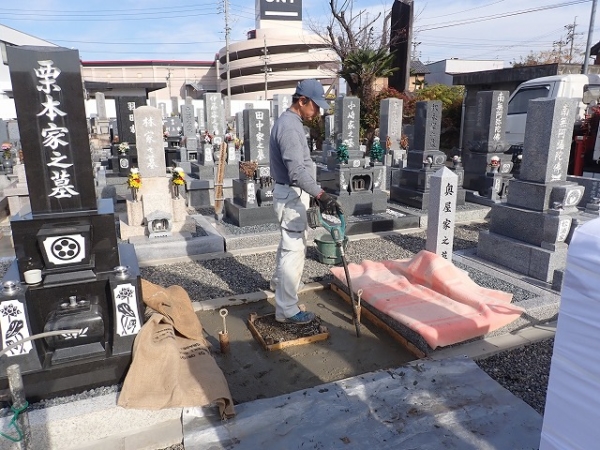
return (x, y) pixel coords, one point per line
(292, 169)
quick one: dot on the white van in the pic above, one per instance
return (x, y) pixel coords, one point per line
(571, 86)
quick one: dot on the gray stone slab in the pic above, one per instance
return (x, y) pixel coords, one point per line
(428, 123)
(518, 223)
(244, 217)
(214, 113)
(347, 122)
(374, 410)
(390, 122)
(490, 122)
(520, 256)
(525, 194)
(188, 121)
(281, 102)
(3, 131)
(179, 244)
(100, 105)
(547, 140)
(442, 213)
(256, 135)
(149, 142)
(591, 185)
(358, 203)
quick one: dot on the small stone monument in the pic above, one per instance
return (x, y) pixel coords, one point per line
(441, 213)
(528, 233)
(390, 133)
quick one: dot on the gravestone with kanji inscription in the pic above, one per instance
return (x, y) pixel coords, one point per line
(70, 271)
(252, 202)
(487, 169)
(350, 176)
(423, 160)
(157, 209)
(441, 213)
(533, 224)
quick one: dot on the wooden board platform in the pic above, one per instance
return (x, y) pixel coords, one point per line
(365, 313)
(283, 344)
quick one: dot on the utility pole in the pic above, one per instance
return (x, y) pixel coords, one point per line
(266, 68)
(415, 55)
(227, 71)
(588, 46)
(571, 37)
(169, 81)
(560, 45)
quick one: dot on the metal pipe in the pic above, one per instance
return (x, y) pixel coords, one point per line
(8, 348)
(589, 38)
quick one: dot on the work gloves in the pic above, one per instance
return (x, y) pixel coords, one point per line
(328, 204)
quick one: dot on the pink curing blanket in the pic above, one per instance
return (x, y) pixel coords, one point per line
(431, 296)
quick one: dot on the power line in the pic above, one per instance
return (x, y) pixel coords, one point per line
(499, 16)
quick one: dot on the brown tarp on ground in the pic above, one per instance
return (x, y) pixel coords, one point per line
(172, 365)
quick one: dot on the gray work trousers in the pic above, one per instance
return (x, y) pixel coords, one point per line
(290, 204)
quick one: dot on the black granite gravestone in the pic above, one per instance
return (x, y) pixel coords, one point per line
(424, 159)
(65, 275)
(253, 193)
(125, 107)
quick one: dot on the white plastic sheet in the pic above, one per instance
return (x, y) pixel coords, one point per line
(572, 415)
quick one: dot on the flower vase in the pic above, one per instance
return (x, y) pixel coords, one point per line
(176, 190)
(134, 194)
(7, 164)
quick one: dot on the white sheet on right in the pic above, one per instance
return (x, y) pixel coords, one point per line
(572, 414)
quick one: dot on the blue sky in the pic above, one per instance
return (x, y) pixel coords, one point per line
(194, 29)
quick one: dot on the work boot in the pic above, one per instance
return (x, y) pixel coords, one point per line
(302, 318)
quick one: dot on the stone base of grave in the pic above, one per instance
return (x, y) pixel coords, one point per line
(522, 257)
(474, 197)
(179, 208)
(128, 231)
(201, 193)
(178, 245)
(135, 212)
(419, 199)
(381, 225)
(358, 203)
(203, 172)
(247, 217)
(477, 164)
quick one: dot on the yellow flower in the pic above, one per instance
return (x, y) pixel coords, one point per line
(178, 177)
(134, 180)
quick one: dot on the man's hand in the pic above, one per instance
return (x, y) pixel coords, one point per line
(328, 204)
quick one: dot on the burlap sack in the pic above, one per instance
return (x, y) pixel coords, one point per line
(172, 365)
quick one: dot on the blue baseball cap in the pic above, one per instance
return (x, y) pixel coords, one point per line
(314, 90)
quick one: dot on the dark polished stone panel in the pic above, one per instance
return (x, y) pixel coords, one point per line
(48, 95)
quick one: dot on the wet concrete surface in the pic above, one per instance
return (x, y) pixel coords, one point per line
(253, 372)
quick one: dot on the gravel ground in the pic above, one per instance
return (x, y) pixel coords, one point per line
(523, 371)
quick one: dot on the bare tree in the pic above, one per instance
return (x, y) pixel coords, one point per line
(362, 44)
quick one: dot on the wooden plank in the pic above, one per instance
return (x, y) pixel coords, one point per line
(284, 344)
(380, 323)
